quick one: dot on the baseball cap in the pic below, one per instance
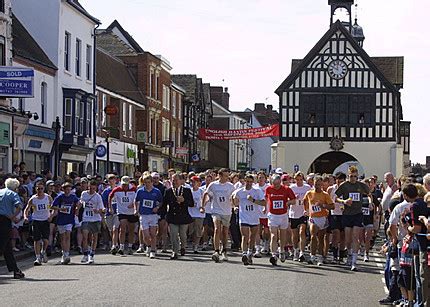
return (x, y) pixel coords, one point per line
(285, 177)
(67, 185)
(50, 182)
(279, 170)
(195, 178)
(155, 174)
(125, 180)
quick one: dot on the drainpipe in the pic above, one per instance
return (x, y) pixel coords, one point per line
(95, 170)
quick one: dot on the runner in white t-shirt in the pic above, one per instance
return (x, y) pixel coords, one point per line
(298, 220)
(247, 200)
(262, 240)
(40, 203)
(208, 224)
(91, 221)
(196, 228)
(220, 191)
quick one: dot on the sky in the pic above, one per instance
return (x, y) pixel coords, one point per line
(247, 45)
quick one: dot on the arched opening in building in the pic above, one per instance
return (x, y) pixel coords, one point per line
(332, 161)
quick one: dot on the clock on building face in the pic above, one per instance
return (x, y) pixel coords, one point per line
(337, 69)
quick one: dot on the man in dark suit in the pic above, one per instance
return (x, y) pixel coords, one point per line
(177, 199)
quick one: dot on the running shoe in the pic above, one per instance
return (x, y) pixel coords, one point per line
(151, 255)
(274, 260)
(44, 258)
(312, 260)
(250, 259)
(90, 259)
(224, 256)
(121, 252)
(215, 257)
(113, 250)
(18, 274)
(283, 257)
(302, 258)
(245, 260)
(37, 262)
(140, 250)
(257, 254)
(366, 258)
(84, 259)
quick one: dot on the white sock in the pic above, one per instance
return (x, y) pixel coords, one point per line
(121, 246)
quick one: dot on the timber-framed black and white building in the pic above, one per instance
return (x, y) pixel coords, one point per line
(340, 107)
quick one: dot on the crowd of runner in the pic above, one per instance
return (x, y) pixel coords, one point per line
(316, 219)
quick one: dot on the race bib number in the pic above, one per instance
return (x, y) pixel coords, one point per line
(354, 196)
(67, 209)
(299, 202)
(148, 203)
(316, 208)
(222, 199)
(125, 199)
(41, 207)
(366, 211)
(89, 213)
(249, 207)
(278, 204)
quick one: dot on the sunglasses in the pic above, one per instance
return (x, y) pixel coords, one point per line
(38, 189)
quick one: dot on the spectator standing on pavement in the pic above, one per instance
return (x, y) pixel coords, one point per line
(386, 197)
(10, 207)
(419, 208)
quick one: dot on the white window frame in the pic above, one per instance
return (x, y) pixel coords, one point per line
(43, 102)
(124, 118)
(151, 73)
(180, 106)
(88, 62)
(157, 78)
(150, 138)
(155, 141)
(67, 42)
(104, 105)
(168, 98)
(174, 104)
(130, 119)
(77, 115)
(96, 111)
(78, 58)
(81, 118)
(89, 112)
(68, 115)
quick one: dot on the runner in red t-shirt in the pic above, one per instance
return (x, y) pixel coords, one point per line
(279, 197)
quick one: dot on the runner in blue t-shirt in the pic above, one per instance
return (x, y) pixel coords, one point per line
(147, 203)
(66, 206)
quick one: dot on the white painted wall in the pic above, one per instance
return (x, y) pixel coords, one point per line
(375, 157)
(34, 104)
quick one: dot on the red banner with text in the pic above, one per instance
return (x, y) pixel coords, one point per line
(251, 133)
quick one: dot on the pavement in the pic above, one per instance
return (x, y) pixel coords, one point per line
(192, 280)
